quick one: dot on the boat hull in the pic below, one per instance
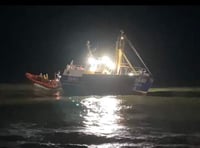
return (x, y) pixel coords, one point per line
(105, 85)
(41, 83)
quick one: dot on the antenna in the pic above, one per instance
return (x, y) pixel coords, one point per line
(88, 47)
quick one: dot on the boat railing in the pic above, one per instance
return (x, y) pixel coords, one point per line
(76, 67)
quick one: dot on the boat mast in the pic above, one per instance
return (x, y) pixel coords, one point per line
(121, 57)
(89, 49)
(119, 48)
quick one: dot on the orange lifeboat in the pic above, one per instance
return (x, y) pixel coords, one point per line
(44, 82)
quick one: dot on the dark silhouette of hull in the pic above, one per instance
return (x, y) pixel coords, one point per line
(105, 85)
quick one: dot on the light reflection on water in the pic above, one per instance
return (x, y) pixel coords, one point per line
(101, 115)
(34, 118)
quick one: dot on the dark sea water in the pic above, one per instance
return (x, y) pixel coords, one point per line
(166, 117)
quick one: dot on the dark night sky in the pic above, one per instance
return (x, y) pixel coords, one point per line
(45, 38)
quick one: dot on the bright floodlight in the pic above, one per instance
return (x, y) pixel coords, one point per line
(130, 74)
(111, 65)
(107, 61)
(93, 68)
(91, 60)
(93, 64)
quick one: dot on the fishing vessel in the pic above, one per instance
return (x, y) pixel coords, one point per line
(124, 75)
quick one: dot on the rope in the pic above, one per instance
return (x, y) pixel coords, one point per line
(133, 48)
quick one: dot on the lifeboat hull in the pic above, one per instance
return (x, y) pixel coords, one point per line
(37, 80)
